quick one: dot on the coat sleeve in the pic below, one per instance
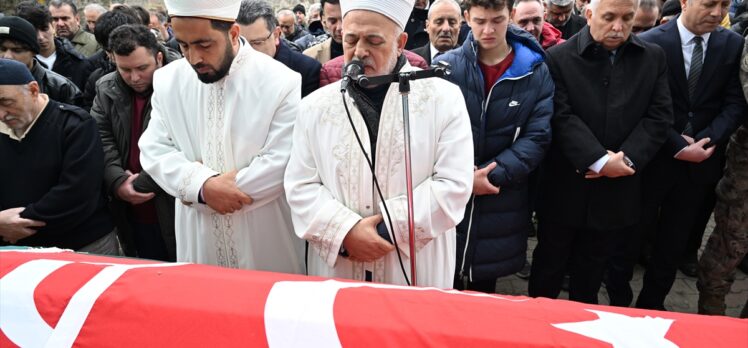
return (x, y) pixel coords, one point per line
(311, 78)
(75, 197)
(164, 160)
(114, 174)
(439, 201)
(318, 217)
(263, 178)
(574, 137)
(734, 108)
(647, 137)
(515, 163)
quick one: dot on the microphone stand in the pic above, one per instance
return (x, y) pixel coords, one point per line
(404, 78)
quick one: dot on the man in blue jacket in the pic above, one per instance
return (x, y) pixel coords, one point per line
(509, 93)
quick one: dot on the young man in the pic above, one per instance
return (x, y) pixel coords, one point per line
(509, 94)
(333, 22)
(143, 211)
(219, 141)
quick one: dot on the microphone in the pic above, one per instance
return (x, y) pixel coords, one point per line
(352, 72)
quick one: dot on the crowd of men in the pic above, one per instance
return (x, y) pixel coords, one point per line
(229, 134)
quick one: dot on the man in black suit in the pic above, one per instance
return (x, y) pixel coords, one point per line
(443, 26)
(612, 112)
(560, 14)
(260, 28)
(708, 106)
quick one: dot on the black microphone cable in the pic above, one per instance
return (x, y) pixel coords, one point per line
(379, 190)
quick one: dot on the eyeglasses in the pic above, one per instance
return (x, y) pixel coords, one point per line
(258, 42)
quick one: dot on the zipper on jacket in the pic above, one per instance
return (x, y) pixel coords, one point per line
(467, 242)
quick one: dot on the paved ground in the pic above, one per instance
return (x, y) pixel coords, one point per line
(683, 297)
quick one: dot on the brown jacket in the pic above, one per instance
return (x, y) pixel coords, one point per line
(320, 52)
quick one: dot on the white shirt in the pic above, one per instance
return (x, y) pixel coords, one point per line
(687, 43)
(433, 51)
(48, 61)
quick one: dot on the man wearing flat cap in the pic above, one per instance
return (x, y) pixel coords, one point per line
(18, 42)
(219, 141)
(51, 170)
(330, 187)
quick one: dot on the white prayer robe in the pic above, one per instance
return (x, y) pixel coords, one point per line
(245, 122)
(329, 185)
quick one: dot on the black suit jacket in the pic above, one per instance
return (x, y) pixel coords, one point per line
(308, 67)
(425, 52)
(718, 107)
(598, 106)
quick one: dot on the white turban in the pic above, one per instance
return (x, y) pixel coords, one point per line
(222, 10)
(396, 10)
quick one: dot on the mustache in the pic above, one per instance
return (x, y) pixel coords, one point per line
(614, 35)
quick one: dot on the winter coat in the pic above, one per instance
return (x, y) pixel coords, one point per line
(511, 126)
(56, 86)
(550, 36)
(71, 64)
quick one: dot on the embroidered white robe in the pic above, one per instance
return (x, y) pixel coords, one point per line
(245, 122)
(329, 185)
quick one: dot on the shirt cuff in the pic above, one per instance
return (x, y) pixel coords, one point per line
(678, 153)
(599, 164)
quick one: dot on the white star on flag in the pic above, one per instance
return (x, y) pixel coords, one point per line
(623, 331)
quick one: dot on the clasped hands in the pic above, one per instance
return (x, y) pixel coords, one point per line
(616, 167)
(13, 227)
(223, 195)
(363, 243)
(695, 151)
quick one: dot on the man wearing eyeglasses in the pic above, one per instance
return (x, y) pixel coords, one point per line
(260, 27)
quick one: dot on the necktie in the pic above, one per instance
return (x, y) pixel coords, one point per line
(697, 61)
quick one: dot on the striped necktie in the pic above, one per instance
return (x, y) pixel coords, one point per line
(694, 72)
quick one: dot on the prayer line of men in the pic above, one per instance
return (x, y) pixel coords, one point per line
(245, 179)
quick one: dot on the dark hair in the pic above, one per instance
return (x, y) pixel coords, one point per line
(109, 21)
(35, 14)
(252, 10)
(490, 4)
(60, 3)
(299, 8)
(126, 38)
(143, 14)
(322, 5)
(222, 26)
(162, 17)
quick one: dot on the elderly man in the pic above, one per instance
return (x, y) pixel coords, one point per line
(220, 142)
(560, 14)
(68, 25)
(143, 211)
(259, 26)
(92, 13)
(331, 188)
(51, 167)
(443, 26)
(291, 30)
(530, 15)
(332, 47)
(646, 16)
(18, 41)
(612, 112)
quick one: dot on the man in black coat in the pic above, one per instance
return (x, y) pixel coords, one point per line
(703, 63)
(560, 14)
(57, 54)
(443, 26)
(260, 27)
(51, 167)
(612, 112)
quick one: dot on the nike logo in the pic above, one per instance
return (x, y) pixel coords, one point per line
(513, 103)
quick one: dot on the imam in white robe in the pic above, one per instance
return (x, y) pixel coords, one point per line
(329, 185)
(245, 122)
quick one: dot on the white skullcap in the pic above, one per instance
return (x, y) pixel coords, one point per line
(222, 10)
(396, 10)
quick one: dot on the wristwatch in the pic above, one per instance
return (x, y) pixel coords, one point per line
(628, 162)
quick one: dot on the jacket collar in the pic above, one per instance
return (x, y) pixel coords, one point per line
(586, 42)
